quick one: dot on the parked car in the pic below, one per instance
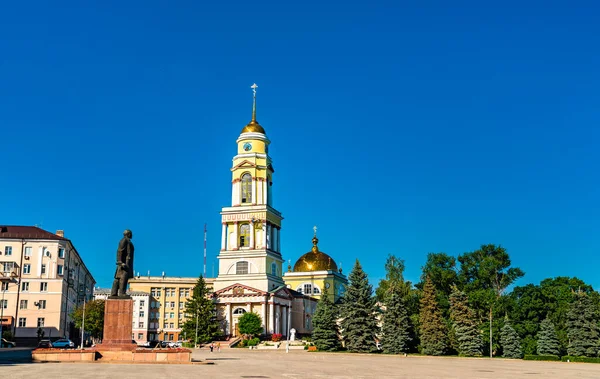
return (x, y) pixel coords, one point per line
(45, 343)
(64, 342)
(6, 343)
(173, 344)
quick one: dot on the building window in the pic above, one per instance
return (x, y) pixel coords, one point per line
(41, 304)
(316, 290)
(23, 304)
(140, 336)
(8, 267)
(8, 250)
(43, 286)
(172, 315)
(181, 305)
(4, 286)
(22, 322)
(142, 313)
(171, 337)
(142, 303)
(25, 286)
(141, 324)
(241, 268)
(239, 311)
(28, 251)
(59, 270)
(155, 292)
(26, 268)
(246, 188)
(244, 235)
(4, 304)
(273, 268)
(308, 289)
(43, 268)
(172, 304)
(61, 253)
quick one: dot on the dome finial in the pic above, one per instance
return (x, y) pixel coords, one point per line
(254, 87)
(315, 240)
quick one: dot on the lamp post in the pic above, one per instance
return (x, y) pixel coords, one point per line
(196, 340)
(2, 311)
(289, 328)
(85, 290)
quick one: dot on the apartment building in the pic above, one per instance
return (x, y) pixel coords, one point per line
(43, 280)
(141, 312)
(168, 296)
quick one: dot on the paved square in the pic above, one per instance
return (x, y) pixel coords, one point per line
(242, 363)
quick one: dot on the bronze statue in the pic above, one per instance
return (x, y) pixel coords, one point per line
(124, 266)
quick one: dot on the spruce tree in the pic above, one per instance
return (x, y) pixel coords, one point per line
(359, 324)
(396, 332)
(432, 331)
(582, 327)
(510, 341)
(547, 343)
(325, 333)
(464, 324)
(200, 308)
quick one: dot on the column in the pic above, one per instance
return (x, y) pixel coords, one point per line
(264, 184)
(271, 318)
(284, 327)
(275, 238)
(252, 235)
(233, 193)
(235, 236)
(263, 315)
(228, 319)
(254, 194)
(278, 319)
(224, 236)
(264, 233)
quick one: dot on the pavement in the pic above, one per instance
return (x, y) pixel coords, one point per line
(245, 363)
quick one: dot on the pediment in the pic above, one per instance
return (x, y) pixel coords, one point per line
(238, 289)
(244, 164)
(284, 293)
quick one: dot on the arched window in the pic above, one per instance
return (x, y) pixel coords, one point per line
(244, 235)
(241, 268)
(308, 289)
(239, 311)
(246, 188)
(273, 268)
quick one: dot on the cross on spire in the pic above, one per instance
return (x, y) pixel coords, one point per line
(315, 229)
(254, 87)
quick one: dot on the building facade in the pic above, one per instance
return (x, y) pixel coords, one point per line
(43, 280)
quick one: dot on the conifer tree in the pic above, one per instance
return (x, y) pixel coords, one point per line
(547, 343)
(510, 341)
(359, 324)
(582, 327)
(325, 333)
(201, 309)
(433, 331)
(396, 332)
(464, 323)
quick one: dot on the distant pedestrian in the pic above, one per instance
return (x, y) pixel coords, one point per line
(212, 346)
(219, 347)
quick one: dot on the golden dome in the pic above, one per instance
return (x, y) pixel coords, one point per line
(253, 127)
(315, 260)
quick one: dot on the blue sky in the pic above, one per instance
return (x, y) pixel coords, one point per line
(396, 127)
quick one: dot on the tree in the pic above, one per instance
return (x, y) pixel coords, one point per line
(465, 325)
(200, 315)
(94, 318)
(582, 326)
(394, 280)
(250, 324)
(359, 324)
(547, 343)
(433, 331)
(485, 274)
(325, 333)
(441, 269)
(396, 333)
(510, 341)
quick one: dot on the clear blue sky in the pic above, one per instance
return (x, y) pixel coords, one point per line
(396, 127)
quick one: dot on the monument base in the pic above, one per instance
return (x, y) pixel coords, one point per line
(118, 314)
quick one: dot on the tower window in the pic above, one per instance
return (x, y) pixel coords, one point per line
(244, 235)
(241, 268)
(273, 268)
(246, 188)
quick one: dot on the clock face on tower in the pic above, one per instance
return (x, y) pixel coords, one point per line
(247, 146)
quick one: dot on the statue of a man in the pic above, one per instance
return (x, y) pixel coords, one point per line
(124, 265)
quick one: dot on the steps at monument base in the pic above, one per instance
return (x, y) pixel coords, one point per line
(224, 344)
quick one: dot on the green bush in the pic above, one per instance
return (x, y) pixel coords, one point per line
(580, 359)
(530, 357)
(253, 342)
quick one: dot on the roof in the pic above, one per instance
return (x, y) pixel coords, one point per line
(27, 232)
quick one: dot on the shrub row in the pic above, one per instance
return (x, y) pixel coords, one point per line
(541, 358)
(580, 359)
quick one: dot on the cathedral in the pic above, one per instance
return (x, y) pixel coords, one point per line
(251, 266)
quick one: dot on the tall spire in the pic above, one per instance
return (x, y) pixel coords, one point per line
(254, 87)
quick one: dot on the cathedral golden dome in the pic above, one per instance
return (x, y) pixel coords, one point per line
(315, 260)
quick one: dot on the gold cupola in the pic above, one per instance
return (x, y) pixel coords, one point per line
(253, 126)
(315, 260)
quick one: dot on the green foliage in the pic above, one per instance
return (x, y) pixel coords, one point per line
(394, 280)
(510, 341)
(548, 343)
(441, 269)
(582, 326)
(253, 342)
(250, 324)
(530, 357)
(7, 335)
(94, 318)
(358, 313)
(325, 328)
(569, 358)
(433, 330)
(465, 325)
(201, 308)
(396, 334)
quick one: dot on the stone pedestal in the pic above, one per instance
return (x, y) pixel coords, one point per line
(118, 315)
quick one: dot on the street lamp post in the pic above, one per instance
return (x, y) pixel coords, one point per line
(2, 311)
(196, 340)
(289, 328)
(82, 326)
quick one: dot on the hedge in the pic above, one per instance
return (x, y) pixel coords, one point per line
(541, 358)
(580, 359)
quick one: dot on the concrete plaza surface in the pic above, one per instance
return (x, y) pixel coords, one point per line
(243, 363)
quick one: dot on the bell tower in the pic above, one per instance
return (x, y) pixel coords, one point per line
(250, 236)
